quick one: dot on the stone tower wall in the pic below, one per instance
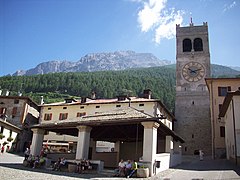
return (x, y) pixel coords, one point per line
(192, 106)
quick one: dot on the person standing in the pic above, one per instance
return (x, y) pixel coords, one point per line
(27, 153)
(201, 155)
(2, 149)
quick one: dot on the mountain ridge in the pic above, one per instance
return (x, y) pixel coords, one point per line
(118, 60)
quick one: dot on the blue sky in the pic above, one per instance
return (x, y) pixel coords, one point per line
(35, 31)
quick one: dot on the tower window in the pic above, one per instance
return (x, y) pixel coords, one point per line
(187, 45)
(220, 107)
(222, 131)
(198, 45)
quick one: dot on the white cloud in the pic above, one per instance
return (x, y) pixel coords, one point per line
(155, 16)
(167, 29)
(229, 6)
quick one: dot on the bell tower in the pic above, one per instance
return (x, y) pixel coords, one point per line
(192, 106)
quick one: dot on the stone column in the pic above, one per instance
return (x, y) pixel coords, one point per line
(37, 141)
(117, 149)
(83, 142)
(169, 144)
(150, 144)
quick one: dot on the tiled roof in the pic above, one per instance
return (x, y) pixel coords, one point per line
(102, 101)
(119, 115)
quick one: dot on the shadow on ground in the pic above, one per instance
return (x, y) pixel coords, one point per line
(106, 173)
(208, 164)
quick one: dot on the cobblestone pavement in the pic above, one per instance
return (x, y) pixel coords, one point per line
(191, 169)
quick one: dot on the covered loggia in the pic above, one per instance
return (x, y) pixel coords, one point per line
(136, 135)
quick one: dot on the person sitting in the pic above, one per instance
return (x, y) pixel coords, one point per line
(121, 168)
(41, 161)
(30, 160)
(62, 163)
(133, 169)
(88, 165)
(128, 168)
(26, 153)
(36, 162)
(56, 164)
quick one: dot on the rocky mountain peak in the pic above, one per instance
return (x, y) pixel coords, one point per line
(118, 60)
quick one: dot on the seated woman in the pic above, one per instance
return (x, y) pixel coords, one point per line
(62, 163)
(56, 164)
(121, 168)
(128, 168)
(36, 162)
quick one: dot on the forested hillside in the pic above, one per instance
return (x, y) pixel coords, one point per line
(55, 87)
(106, 84)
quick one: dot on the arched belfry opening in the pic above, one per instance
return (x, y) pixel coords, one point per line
(187, 45)
(198, 45)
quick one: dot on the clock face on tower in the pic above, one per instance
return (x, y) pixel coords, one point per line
(193, 71)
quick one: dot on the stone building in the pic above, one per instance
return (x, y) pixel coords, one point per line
(192, 106)
(218, 89)
(21, 112)
(140, 128)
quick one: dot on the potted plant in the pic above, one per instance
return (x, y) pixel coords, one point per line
(2, 136)
(5, 143)
(9, 139)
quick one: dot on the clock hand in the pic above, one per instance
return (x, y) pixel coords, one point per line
(192, 71)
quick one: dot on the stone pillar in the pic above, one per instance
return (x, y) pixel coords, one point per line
(169, 144)
(83, 142)
(117, 149)
(150, 144)
(37, 141)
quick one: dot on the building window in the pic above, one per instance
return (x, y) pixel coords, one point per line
(222, 131)
(49, 108)
(222, 91)
(220, 107)
(14, 112)
(80, 114)
(3, 110)
(64, 107)
(197, 44)
(187, 45)
(48, 116)
(192, 135)
(141, 104)
(97, 106)
(63, 116)
(2, 128)
(16, 101)
(81, 107)
(118, 105)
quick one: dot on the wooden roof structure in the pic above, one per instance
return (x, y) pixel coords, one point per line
(117, 125)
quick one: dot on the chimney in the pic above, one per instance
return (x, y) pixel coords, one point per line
(7, 93)
(93, 95)
(41, 102)
(19, 93)
(147, 93)
(83, 99)
(122, 97)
